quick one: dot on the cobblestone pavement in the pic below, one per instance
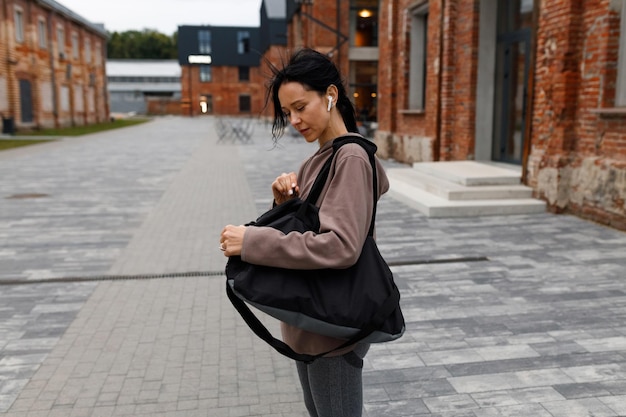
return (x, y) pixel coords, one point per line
(112, 302)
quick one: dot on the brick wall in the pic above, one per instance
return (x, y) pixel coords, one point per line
(65, 91)
(578, 155)
(444, 129)
(577, 158)
(163, 105)
(334, 16)
(225, 88)
(275, 56)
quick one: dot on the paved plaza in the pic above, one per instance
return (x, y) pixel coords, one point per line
(112, 298)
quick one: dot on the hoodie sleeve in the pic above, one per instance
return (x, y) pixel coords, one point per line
(345, 213)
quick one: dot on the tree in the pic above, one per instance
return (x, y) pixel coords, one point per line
(145, 44)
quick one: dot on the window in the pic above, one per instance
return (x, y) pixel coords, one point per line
(61, 41)
(620, 93)
(98, 53)
(204, 42)
(244, 73)
(41, 33)
(243, 42)
(19, 25)
(364, 86)
(245, 104)
(65, 98)
(205, 73)
(75, 47)
(418, 57)
(364, 23)
(88, 51)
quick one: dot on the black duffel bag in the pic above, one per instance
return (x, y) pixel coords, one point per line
(356, 304)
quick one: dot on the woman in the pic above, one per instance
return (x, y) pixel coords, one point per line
(308, 93)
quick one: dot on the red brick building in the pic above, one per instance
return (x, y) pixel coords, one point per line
(225, 69)
(348, 32)
(233, 90)
(537, 83)
(52, 66)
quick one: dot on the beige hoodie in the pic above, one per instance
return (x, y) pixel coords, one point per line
(345, 211)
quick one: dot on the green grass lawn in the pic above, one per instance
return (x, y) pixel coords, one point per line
(66, 131)
(83, 130)
(16, 143)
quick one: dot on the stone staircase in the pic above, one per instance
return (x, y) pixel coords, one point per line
(463, 189)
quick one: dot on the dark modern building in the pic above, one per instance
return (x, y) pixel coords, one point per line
(224, 69)
(219, 69)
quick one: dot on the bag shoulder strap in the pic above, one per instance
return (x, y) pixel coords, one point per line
(322, 177)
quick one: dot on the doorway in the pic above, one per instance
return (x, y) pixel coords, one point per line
(364, 89)
(510, 110)
(26, 101)
(206, 104)
(511, 79)
(503, 75)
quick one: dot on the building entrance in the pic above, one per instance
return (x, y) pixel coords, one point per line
(511, 79)
(26, 101)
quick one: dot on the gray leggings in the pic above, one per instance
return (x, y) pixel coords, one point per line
(333, 387)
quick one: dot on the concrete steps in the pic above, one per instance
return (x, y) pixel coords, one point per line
(463, 189)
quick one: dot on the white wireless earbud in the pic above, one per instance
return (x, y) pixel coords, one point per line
(330, 102)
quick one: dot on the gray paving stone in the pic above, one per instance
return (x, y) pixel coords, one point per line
(537, 329)
(579, 408)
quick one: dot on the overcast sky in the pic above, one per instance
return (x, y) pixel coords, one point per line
(166, 15)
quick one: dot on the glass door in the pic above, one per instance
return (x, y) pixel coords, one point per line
(512, 70)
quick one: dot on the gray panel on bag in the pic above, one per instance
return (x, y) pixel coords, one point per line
(313, 325)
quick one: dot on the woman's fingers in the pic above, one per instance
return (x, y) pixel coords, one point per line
(285, 186)
(286, 183)
(231, 240)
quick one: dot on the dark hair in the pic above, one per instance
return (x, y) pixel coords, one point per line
(316, 72)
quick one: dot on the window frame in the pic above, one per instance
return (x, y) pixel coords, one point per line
(98, 53)
(88, 58)
(355, 9)
(418, 57)
(244, 73)
(75, 45)
(204, 42)
(242, 101)
(42, 33)
(61, 41)
(243, 42)
(205, 73)
(18, 21)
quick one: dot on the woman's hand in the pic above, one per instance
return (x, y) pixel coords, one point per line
(231, 240)
(285, 187)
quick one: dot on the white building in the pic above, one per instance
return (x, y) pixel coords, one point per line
(132, 82)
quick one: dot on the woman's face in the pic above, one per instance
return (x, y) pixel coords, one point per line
(306, 110)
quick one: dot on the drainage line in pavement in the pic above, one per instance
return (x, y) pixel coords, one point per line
(210, 273)
(437, 261)
(110, 278)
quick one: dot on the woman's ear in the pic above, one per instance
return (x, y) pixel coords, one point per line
(332, 95)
